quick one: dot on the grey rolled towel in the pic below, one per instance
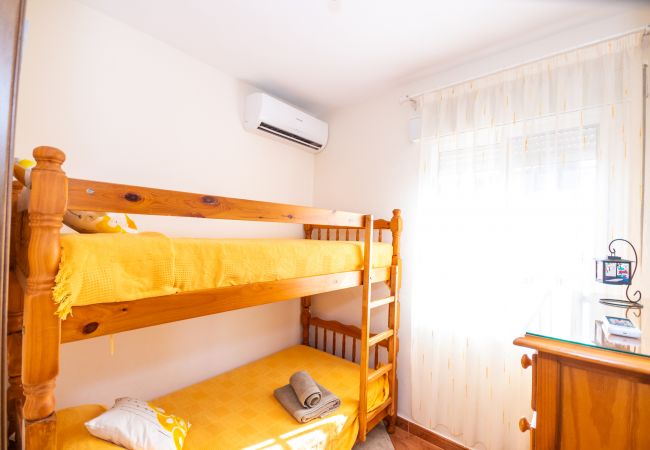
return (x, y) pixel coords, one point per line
(287, 398)
(306, 389)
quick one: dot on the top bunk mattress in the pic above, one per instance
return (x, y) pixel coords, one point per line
(105, 268)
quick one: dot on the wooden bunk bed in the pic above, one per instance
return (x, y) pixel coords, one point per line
(36, 332)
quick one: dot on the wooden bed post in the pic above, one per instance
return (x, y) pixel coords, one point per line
(42, 327)
(365, 328)
(396, 230)
(305, 318)
(305, 302)
(393, 313)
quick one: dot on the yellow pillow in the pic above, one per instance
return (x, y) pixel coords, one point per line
(80, 221)
(23, 171)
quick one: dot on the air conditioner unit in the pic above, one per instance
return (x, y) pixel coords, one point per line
(266, 115)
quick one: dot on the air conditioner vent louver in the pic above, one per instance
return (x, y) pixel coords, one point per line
(266, 115)
(285, 134)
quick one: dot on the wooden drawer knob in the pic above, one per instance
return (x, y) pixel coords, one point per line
(524, 425)
(526, 362)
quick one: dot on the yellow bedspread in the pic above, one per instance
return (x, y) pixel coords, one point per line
(103, 268)
(237, 410)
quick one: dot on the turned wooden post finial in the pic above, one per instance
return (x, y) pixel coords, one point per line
(396, 221)
(49, 155)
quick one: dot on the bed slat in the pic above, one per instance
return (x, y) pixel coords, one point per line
(376, 357)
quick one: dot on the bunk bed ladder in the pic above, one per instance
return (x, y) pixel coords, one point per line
(367, 420)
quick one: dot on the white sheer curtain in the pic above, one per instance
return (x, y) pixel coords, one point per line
(525, 175)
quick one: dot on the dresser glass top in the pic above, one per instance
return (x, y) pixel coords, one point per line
(580, 321)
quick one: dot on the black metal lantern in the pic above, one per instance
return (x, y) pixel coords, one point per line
(614, 270)
(618, 271)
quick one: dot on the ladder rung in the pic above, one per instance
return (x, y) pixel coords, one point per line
(377, 338)
(378, 410)
(381, 302)
(379, 372)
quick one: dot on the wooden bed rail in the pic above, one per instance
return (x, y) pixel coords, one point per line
(109, 318)
(88, 195)
(339, 346)
(338, 233)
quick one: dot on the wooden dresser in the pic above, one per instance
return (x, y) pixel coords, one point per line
(586, 396)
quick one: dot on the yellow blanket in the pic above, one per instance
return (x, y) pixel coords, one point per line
(237, 410)
(103, 268)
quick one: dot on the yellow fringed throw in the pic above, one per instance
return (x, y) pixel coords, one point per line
(212, 263)
(104, 268)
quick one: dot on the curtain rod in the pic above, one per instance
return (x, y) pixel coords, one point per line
(413, 97)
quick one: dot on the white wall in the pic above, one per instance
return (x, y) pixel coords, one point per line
(370, 166)
(127, 108)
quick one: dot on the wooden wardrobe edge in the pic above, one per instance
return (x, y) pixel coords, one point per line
(109, 318)
(607, 358)
(430, 436)
(12, 14)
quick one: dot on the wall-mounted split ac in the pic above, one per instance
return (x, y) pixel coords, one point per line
(266, 115)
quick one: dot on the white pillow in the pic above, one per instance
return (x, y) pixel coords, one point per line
(99, 222)
(138, 425)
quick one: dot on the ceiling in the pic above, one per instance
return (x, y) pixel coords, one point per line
(323, 54)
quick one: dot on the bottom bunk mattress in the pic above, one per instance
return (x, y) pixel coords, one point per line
(237, 409)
